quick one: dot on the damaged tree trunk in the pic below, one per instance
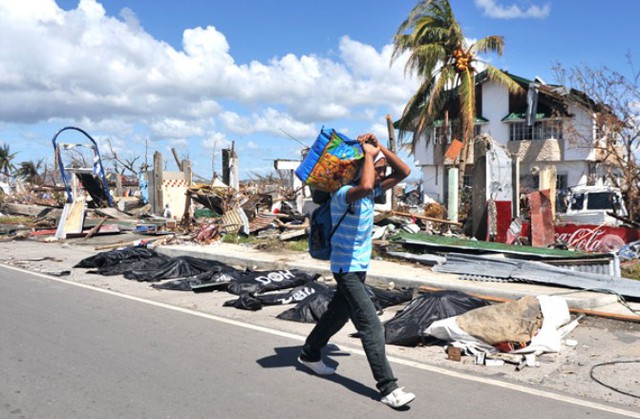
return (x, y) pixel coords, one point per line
(175, 156)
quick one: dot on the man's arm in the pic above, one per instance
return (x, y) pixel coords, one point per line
(367, 178)
(400, 170)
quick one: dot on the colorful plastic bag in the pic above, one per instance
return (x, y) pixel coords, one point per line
(332, 161)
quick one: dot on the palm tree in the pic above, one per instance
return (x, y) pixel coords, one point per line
(30, 171)
(6, 166)
(447, 67)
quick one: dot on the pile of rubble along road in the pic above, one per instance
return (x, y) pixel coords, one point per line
(262, 211)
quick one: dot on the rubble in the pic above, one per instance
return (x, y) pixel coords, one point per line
(156, 206)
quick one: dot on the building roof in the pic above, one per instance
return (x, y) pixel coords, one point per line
(479, 120)
(521, 116)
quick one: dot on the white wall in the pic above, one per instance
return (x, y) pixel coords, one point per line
(433, 182)
(495, 106)
(424, 152)
(576, 171)
(578, 145)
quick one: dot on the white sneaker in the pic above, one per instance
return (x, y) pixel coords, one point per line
(318, 367)
(398, 398)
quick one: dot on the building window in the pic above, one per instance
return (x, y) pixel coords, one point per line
(540, 130)
(562, 182)
(439, 136)
(467, 181)
(577, 202)
(438, 133)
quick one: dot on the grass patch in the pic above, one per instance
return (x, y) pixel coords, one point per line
(15, 219)
(235, 238)
(631, 269)
(268, 244)
(301, 245)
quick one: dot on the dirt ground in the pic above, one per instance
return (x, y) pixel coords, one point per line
(602, 364)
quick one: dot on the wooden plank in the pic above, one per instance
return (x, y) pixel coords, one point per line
(288, 235)
(95, 229)
(115, 214)
(60, 234)
(23, 209)
(423, 217)
(75, 218)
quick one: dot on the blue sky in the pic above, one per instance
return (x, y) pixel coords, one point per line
(197, 75)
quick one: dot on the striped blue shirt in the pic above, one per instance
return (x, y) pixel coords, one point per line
(351, 242)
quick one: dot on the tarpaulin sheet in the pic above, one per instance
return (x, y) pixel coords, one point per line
(144, 264)
(407, 327)
(263, 281)
(179, 267)
(113, 257)
(314, 306)
(204, 282)
(244, 302)
(311, 308)
(297, 294)
(384, 298)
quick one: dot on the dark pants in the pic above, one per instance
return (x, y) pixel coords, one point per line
(351, 301)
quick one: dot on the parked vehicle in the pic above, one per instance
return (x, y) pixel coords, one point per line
(592, 205)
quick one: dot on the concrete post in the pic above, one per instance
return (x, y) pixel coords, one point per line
(158, 201)
(515, 180)
(230, 174)
(479, 208)
(119, 185)
(452, 204)
(188, 177)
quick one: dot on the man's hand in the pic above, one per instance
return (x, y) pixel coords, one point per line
(369, 144)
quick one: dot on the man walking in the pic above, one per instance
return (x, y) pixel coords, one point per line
(350, 256)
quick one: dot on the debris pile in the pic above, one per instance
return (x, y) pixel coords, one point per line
(272, 212)
(494, 333)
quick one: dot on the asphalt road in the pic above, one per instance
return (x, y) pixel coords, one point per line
(68, 351)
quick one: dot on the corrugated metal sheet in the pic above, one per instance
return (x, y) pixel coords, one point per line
(536, 272)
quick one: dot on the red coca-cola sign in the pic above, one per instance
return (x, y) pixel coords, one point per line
(591, 238)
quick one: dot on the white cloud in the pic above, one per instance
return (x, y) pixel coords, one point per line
(269, 121)
(96, 65)
(171, 128)
(492, 9)
(107, 74)
(216, 142)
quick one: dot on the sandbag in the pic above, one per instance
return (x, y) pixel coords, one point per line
(518, 318)
(515, 321)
